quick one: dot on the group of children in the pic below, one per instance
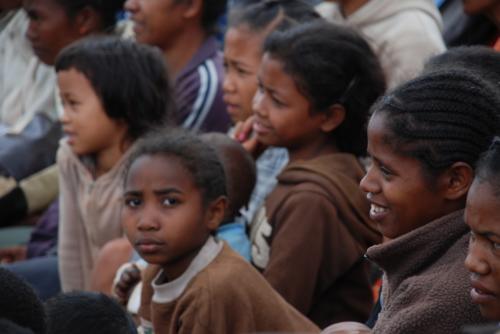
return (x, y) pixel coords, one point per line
(288, 242)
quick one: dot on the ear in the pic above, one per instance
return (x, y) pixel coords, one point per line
(457, 180)
(334, 116)
(194, 8)
(216, 212)
(87, 21)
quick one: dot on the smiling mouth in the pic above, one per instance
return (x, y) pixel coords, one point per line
(377, 212)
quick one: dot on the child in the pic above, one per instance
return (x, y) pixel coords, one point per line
(102, 119)
(20, 304)
(184, 32)
(87, 312)
(239, 168)
(425, 139)
(316, 84)
(249, 25)
(482, 216)
(175, 198)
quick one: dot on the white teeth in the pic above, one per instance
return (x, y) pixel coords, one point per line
(375, 209)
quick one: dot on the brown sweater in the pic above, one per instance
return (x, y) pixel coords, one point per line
(426, 286)
(219, 293)
(311, 237)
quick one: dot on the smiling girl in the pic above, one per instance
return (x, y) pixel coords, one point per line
(424, 139)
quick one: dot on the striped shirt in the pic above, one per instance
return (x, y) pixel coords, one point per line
(198, 89)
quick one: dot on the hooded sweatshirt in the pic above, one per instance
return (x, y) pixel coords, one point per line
(426, 288)
(402, 33)
(310, 238)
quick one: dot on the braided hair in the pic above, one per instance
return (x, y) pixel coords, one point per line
(488, 167)
(441, 118)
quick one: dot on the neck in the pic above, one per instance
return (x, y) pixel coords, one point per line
(349, 7)
(177, 267)
(106, 159)
(185, 46)
(321, 146)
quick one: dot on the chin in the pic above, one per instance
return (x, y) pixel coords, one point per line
(490, 312)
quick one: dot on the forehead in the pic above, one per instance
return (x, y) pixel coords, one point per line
(483, 207)
(158, 170)
(239, 40)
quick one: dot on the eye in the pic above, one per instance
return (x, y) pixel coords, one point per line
(278, 103)
(496, 246)
(169, 201)
(132, 202)
(386, 172)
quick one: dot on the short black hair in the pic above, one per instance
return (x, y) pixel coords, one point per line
(108, 10)
(19, 303)
(441, 117)
(239, 168)
(211, 11)
(87, 312)
(198, 157)
(9, 327)
(488, 167)
(130, 79)
(330, 65)
(272, 15)
(482, 60)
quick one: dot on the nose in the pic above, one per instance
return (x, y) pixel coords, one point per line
(148, 219)
(228, 85)
(475, 262)
(258, 105)
(131, 6)
(31, 31)
(63, 118)
(368, 183)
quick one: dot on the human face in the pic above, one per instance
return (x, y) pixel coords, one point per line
(50, 28)
(242, 55)
(164, 216)
(482, 214)
(156, 22)
(282, 114)
(88, 128)
(401, 196)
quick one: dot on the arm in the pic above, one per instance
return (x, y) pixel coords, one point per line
(71, 231)
(308, 248)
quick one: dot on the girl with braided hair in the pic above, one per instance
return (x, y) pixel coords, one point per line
(425, 138)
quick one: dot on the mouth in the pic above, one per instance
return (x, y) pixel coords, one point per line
(261, 128)
(70, 136)
(378, 212)
(480, 294)
(148, 245)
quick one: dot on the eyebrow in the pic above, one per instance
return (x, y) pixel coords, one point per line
(489, 234)
(164, 191)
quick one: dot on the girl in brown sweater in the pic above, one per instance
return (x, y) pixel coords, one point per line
(424, 139)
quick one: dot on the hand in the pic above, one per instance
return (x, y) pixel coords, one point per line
(128, 276)
(243, 133)
(13, 254)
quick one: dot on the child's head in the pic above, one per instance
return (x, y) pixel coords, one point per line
(425, 138)
(57, 23)
(112, 90)
(9, 327)
(482, 60)
(160, 22)
(87, 312)
(20, 304)
(174, 198)
(482, 214)
(317, 83)
(248, 27)
(239, 168)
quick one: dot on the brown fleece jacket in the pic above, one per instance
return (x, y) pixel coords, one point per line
(220, 293)
(311, 238)
(426, 286)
